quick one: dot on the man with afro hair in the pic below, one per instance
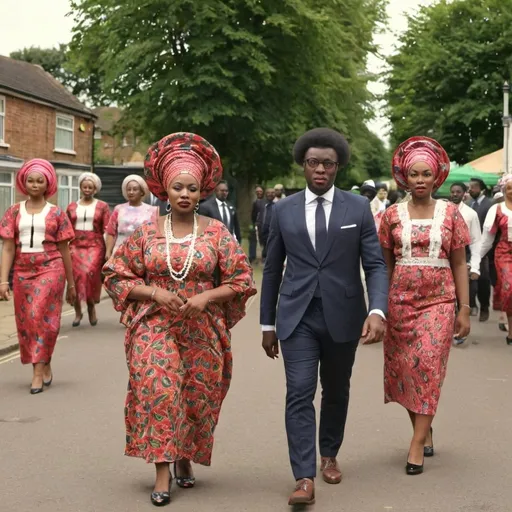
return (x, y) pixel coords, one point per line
(317, 310)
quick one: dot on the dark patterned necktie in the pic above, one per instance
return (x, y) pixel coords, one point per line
(320, 228)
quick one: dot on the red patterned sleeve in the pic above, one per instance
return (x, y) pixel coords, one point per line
(235, 272)
(125, 270)
(112, 224)
(65, 231)
(460, 231)
(105, 221)
(71, 213)
(385, 233)
(8, 223)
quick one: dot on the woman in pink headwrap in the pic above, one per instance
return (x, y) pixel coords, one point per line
(424, 244)
(499, 220)
(182, 284)
(127, 217)
(35, 237)
(89, 217)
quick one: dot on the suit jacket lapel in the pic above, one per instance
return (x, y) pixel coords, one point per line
(338, 212)
(299, 216)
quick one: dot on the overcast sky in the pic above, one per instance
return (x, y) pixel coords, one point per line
(44, 23)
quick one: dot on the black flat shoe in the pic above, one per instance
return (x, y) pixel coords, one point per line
(503, 327)
(413, 469)
(509, 341)
(428, 451)
(76, 323)
(160, 499)
(186, 482)
(36, 391)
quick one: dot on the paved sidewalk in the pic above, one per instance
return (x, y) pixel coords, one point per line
(8, 337)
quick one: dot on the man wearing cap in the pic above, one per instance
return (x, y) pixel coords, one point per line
(317, 309)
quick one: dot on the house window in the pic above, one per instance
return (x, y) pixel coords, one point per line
(6, 191)
(69, 190)
(97, 133)
(64, 133)
(2, 119)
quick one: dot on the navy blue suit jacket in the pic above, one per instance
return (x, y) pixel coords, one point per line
(351, 239)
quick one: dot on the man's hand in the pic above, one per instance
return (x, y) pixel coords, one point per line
(373, 329)
(270, 344)
(474, 276)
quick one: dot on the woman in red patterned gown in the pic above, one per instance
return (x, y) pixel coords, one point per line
(424, 243)
(182, 284)
(35, 237)
(89, 218)
(499, 221)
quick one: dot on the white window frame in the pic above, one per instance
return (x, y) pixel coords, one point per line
(3, 102)
(67, 117)
(12, 171)
(68, 173)
(97, 134)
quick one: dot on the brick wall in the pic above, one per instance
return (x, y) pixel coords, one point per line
(30, 132)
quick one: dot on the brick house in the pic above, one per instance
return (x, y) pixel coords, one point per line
(40, 118)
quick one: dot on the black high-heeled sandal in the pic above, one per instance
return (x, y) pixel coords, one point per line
(428, 451)
(162, 498)
(413, 469)
(502, 327)
(92, 322)
(509, 341)
(76, 323)
(185, 482)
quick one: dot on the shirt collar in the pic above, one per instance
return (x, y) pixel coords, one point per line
(328, 196)
(219, 202)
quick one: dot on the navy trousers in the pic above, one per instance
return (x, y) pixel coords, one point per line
(309, 347)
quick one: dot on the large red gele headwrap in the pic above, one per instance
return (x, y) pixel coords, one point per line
(42, 167)
(420, 149)
(181, 153)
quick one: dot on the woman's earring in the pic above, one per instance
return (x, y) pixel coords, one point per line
(196, 207)
(168, 207)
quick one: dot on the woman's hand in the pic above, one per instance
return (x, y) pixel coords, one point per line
(4, 292)
(462, 324)
(71, 295)
(168, 300)
(194, 306)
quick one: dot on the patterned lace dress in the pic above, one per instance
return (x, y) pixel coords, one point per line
(421, 303)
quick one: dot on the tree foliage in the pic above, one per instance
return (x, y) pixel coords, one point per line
(249, 75)
(446, 79)
(55, 61)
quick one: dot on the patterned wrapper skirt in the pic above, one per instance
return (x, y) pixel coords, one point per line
(503, 288)
(87, 256)
(38, 289)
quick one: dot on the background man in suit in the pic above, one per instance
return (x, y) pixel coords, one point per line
(324, 233)
(264, 221)
(258, 206)
(481, 204)
(217, 207)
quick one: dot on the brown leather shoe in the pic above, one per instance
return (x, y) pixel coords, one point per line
(304, 493)
(331, 472)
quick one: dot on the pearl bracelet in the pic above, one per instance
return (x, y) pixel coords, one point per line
(6, 282)
(153, 294)
(465, 306)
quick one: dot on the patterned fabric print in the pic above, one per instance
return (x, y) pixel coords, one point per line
(88, 253)
(503, 263)
(38, 288)
(179, 370)
(126, 219)
(421, 309)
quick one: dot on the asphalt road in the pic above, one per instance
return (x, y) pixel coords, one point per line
(62, 451)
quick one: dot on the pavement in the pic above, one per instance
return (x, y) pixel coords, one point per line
(62, 451)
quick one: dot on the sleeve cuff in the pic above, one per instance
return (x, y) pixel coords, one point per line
(267, 328)
(377, 312)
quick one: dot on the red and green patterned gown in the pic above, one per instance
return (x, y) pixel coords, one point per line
(179, 370)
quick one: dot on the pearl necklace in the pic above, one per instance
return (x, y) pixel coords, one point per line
(170, 239)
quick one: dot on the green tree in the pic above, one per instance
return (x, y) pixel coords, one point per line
(249, 75)
(55, 61)
(446, 79)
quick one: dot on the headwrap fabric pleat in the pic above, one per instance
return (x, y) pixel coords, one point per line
(504, 181)
(42, 167)
(134, 177)
(420, 149)
(182, 153)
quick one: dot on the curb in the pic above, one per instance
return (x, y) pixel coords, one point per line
(15, 346)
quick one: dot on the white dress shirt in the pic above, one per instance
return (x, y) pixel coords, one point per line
(311, 205)
(487, 236)
(222, 210)
(475, 246)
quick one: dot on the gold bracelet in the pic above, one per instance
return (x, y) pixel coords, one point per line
(6, 282)
(70, 287)
(153, 294)
(464, 306)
